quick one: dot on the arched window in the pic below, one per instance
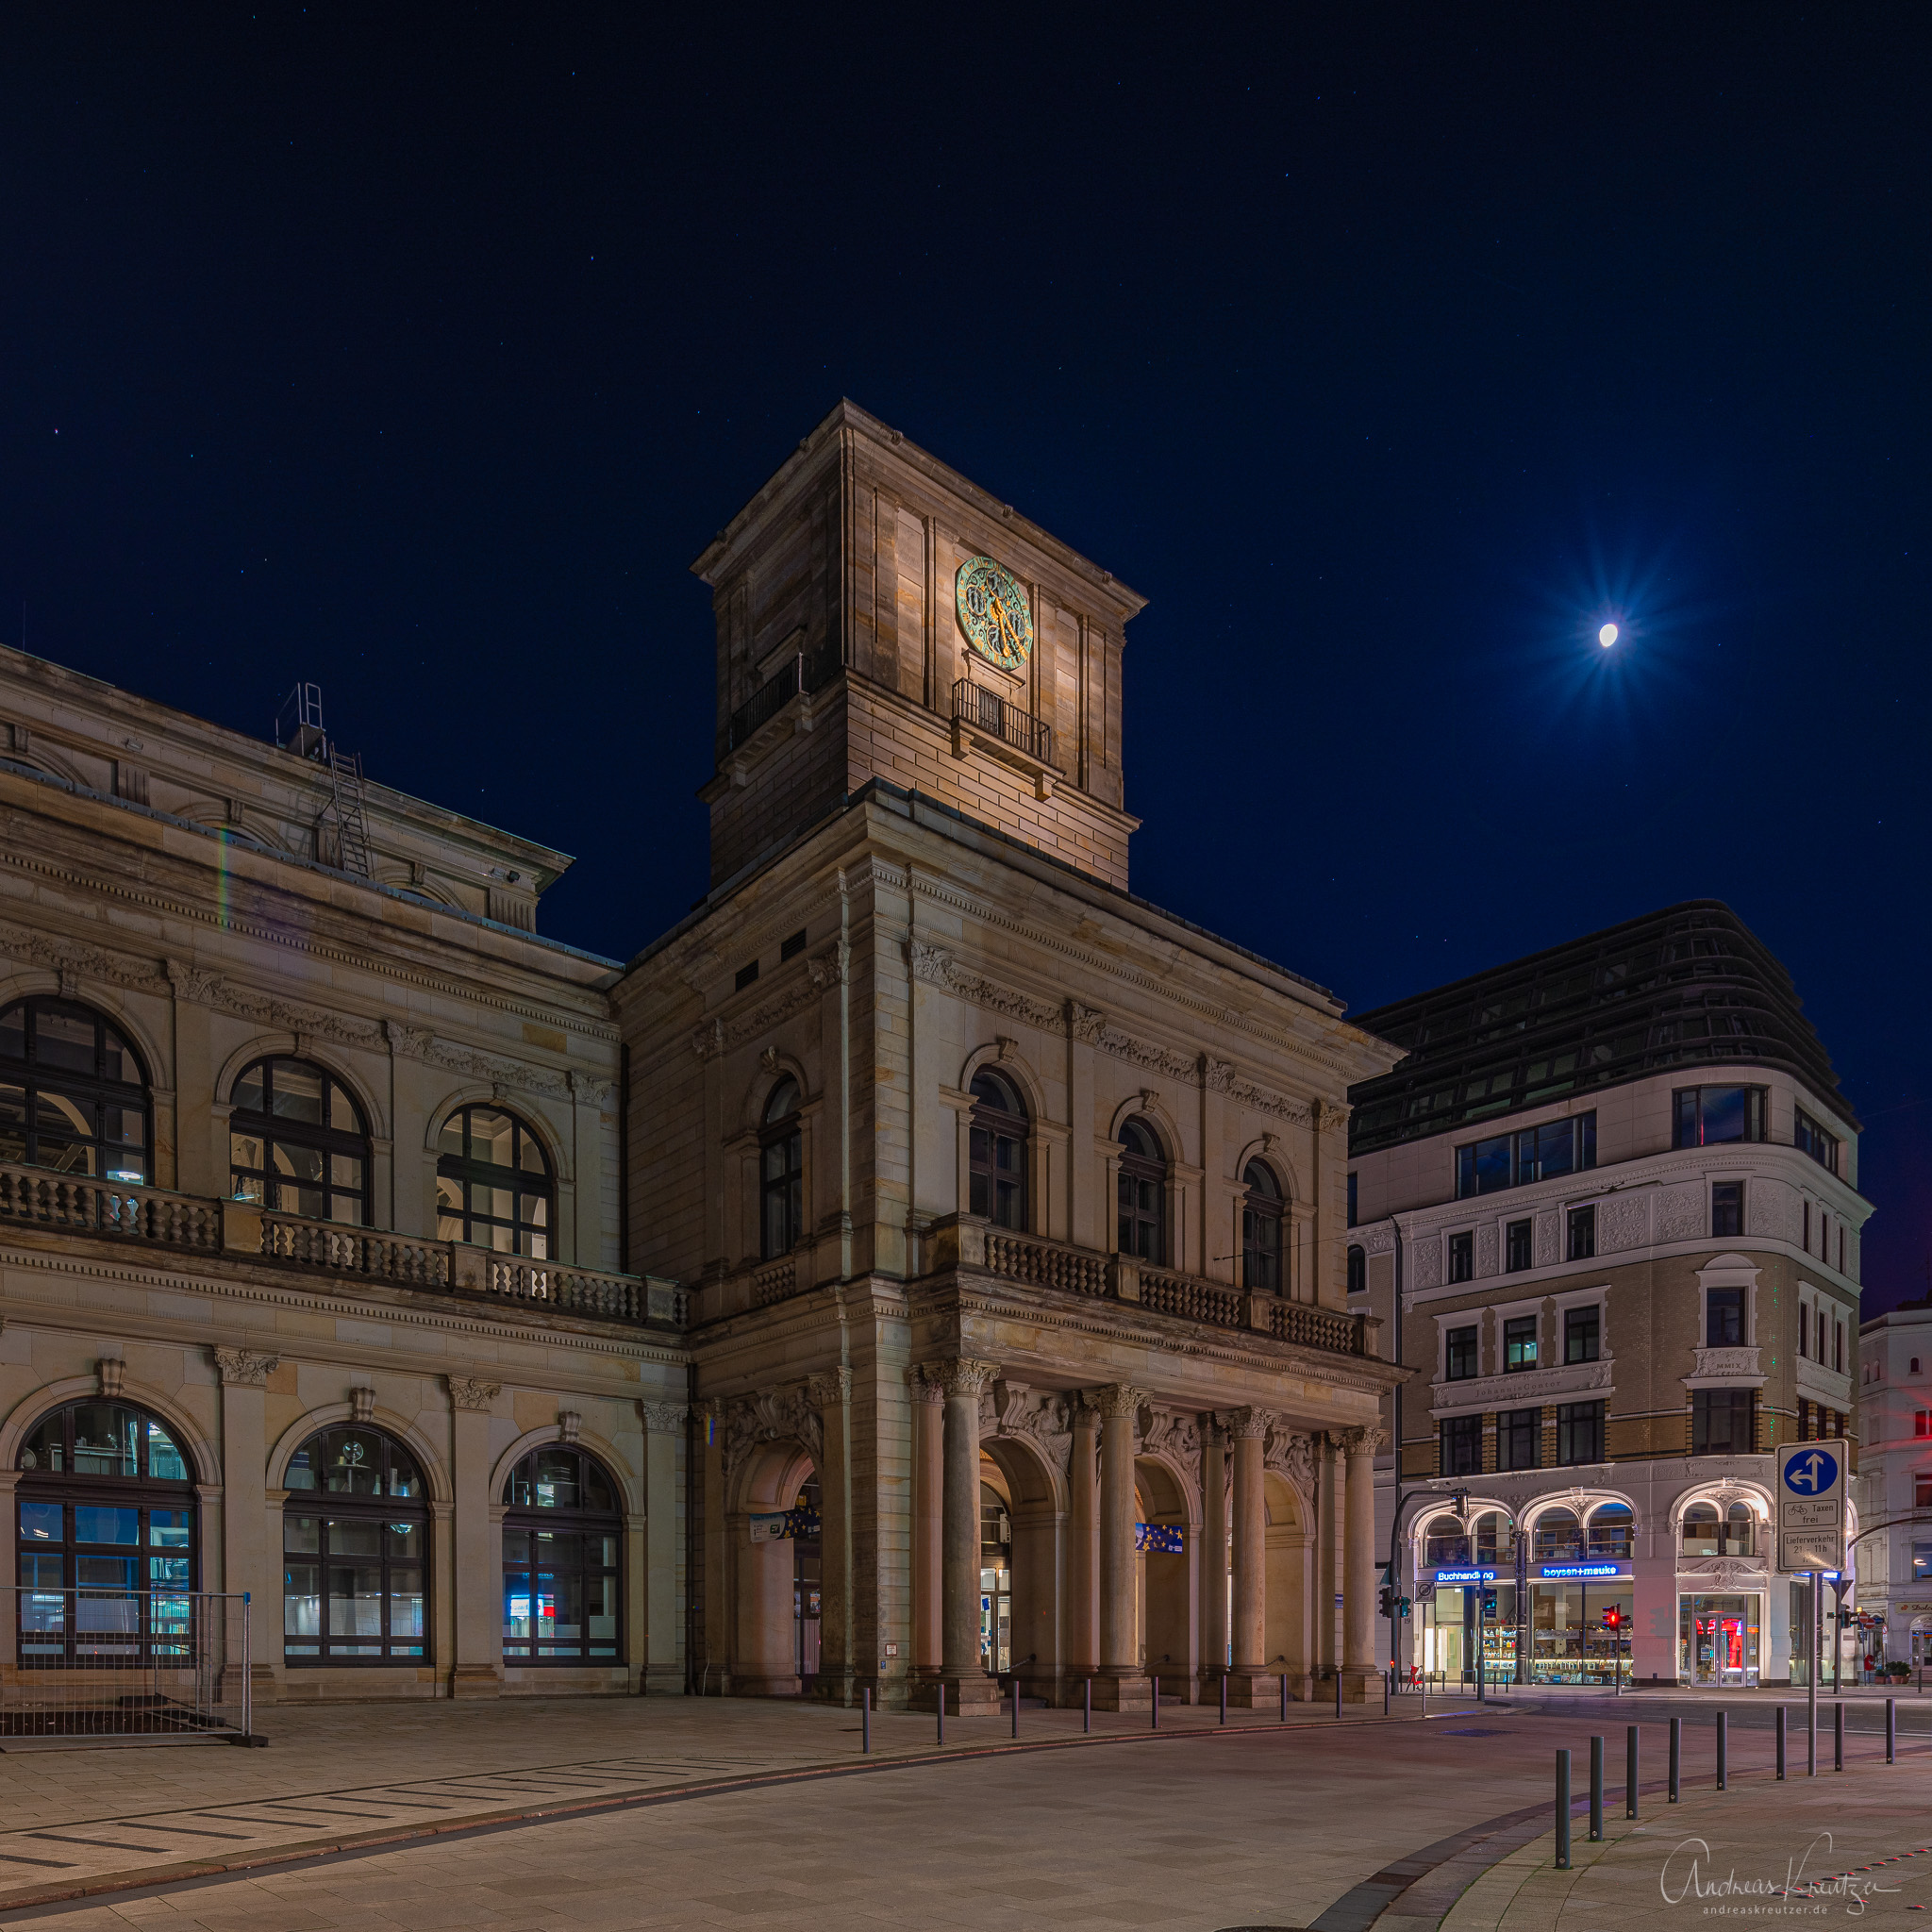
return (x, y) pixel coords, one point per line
(1143, 1193)
(562, 1547)
(72, 1096)
(492, 1184)
(296, 1143)
(997, 1156)
(781, 1172)
(1445, 1543)
(1357, 1270)
(1558, 1537)
(1610, 1525)
(355, 1552)
(1261, 1230)
(106, 1547)
(1708, 1532)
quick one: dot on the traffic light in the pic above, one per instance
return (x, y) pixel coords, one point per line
(1405, 1607)
(1387, 1608)
(1459, 1502)
(1613, 1618)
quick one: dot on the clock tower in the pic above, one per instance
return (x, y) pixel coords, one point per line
(881, 618)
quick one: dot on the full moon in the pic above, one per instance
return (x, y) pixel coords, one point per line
(1607, 636)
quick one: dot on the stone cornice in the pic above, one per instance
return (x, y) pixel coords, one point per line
(1526, 1388)
(749, 1020)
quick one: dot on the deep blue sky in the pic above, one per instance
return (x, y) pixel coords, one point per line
(418, 351)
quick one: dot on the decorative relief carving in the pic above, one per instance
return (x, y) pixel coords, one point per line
(961, 1376)
(112, 1372)
(1331, 1116)
(1770, 1208)
(269, 1010)
(1726, 1361)
(361, 1403)
(1373, 1240)
(1175, 1437)
(1290, 1452)
(1085, 1023)
(937, 966)
(1265, 1100)
(419, 1043)
(1486, 1250)
(1143, 1053)
(1425, 1265)
(1623, 1222)
(245, 1368)
(1353, 1442)
(1011, 1408)
(1216, 1075)
(590, 1089)
(773, 1415)
(1546, 1226)
(72, 959)
(720, 1036)
(921, 1388)
(829, 1387)
(1680, 1213)
(570, 1426)
(663, 1418)
(472, 1391)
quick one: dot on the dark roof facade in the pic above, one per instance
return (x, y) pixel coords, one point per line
(1692, 985)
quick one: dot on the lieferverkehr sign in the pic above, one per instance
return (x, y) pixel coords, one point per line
(1811, 1506)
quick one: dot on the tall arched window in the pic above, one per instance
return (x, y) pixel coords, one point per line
(1558, 1537)
(492, 1184)
(1261, 1230)
(1708, 1532)
(296, 1143)
(781, 1172)
(1143, 1193)
(73, 1095)
(105, 1527)
(1357, 1269)
(562, 1552)
(1609, 1528)
(355, 1552)
(997, 1154)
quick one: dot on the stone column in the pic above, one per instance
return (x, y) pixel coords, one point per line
(663, 1669)
(830, 1392)
(247, 1562)
(1083, 1547)
(928, 1517)
(1247, 1431)
(1213, 1549)
(1358, 1564)
(477, 1568)
(1120, 1684)
(1327, 1555)
(966, 1685)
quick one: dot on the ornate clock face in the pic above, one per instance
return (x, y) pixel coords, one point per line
(994, 612)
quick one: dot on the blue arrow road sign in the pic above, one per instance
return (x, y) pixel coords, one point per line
(1811, 1475)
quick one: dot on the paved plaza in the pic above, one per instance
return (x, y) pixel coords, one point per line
(670, 1812)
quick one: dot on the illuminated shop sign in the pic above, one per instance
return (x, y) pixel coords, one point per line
(1558, 1572)
(1465, 1576)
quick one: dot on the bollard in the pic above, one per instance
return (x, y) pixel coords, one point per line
(1723, 1765)
(1563, 1810)
(1284, 1697)
(1154, 1722)
(1087, 1706)
(1338, 1689)
(1891, 1730)
(1838, 1737)
(1630, 1774)
(1016, 1704)
(1224, 1699)
(1783, 1711)
(943, 1713)
(865, 1720)
(1676, 1759)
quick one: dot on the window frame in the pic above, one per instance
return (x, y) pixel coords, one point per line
(1809, 1136)
(1357, 1269)
(1725, 1210)
(1138, 1227)
(1701, 1404)
(1591, 1418)
(1264, 1221)
(1519, 1245)
(1726, 1299)
(1572, 1325)
(1462, 1255)
(330, 1143)
(1476, 1170)
(1511, 1343)
(1453, 1342)
(1581, 1221)
(989, 1186)
(781, 1172)
(1513, 1425)
(352, 1652)
(1466, 1433)
(1688, 1111)
(96, 1092)
(533, 1518)
(468, 1173)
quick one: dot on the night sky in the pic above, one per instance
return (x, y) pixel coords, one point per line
(418, 350)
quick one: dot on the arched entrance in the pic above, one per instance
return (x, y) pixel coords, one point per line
(1023, 1529)
(1167, 1583)
(1289, 1626)
(775, 1573)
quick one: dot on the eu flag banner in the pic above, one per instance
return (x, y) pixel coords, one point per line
(1163, 1537)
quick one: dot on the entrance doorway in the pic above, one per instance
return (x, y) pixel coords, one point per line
(1718, 1641)
(807, 1571)
(995, 1583)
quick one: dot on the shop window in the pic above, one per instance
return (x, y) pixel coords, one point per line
(1727, 1210)
(108, 1551)
(1712, 1116)
(1357, 1270)
(1518, 1247)
(1582, 1334)
(355, 1552)
(1519, 1342)
(493, 1185)
(1721, 1422)
(1459, 1353)
(72, 1096)
(1462, 1256)
(1140, 1193)
(1583, 1233)
(562, 1543)
(781, 1172)
(1579, 1432)
(1608, 1533)
(996, 1135)
(1724, 1317)
(1261, 1232)
(1518, 1439)
(297, 1143)
(1462, 1445)
(1558, 1537)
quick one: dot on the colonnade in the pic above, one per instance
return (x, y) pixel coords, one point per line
(1099, 1635)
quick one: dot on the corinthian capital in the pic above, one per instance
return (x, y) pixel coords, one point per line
(923, 1383)
(829, 1387)
(245, 1368)
(1116, 1400)
(963, 1377)
(1248, 1425)
(1360, 1441)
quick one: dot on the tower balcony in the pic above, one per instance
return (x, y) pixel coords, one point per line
(984, 721)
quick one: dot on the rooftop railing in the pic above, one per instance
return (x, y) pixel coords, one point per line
(808, 671)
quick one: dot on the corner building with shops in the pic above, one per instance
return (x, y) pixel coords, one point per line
(923, 1266)
(1613, 1188)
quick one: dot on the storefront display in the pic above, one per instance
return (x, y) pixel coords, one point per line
(1718, 1641)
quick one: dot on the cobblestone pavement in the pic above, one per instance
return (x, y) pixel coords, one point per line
(675, 1812)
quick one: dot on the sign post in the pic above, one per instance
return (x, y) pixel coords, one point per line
(1811, 1536)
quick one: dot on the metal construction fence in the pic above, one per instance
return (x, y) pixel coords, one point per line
(118, 1663)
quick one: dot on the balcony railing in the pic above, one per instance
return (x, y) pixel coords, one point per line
(38, 1198)
(806, 672)
(986, 712)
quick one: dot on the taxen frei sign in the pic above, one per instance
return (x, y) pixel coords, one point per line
(1811, 1506)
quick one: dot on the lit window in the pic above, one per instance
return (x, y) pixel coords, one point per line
(1519, 1342)
(563, 1538)
(72, 1096)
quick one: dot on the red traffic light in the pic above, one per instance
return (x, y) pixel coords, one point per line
(1613, 1618)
